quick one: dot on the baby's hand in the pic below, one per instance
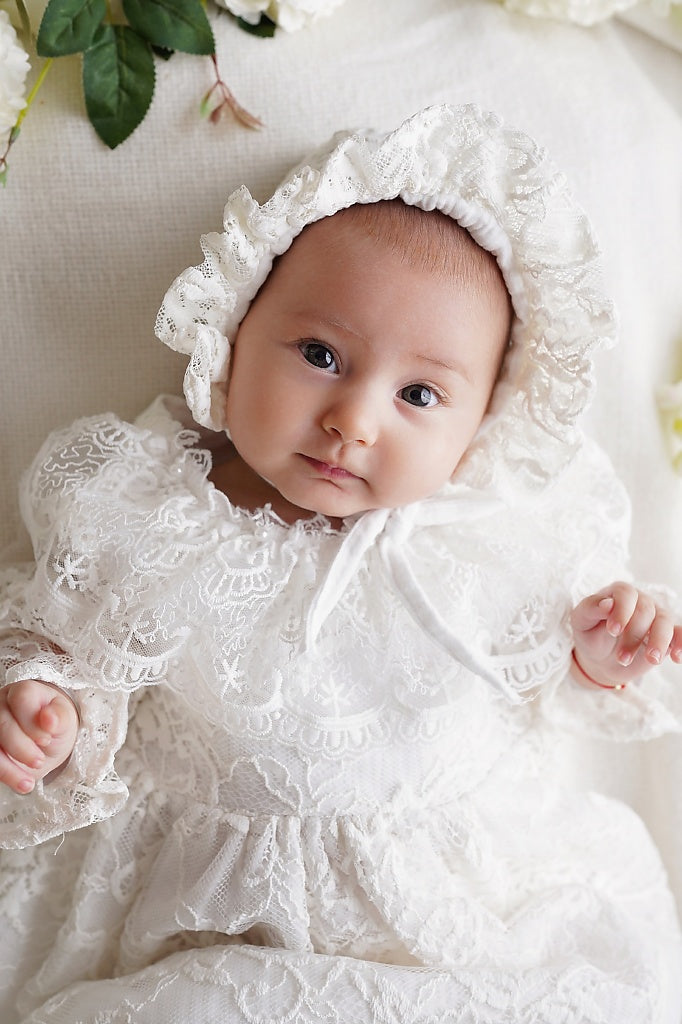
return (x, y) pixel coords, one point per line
(38, 728)
(619, 633)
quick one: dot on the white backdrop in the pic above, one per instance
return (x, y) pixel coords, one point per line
(90, 239)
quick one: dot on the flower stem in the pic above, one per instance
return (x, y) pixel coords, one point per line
(34, 91)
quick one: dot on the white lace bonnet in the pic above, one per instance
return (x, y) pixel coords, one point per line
(496, 182)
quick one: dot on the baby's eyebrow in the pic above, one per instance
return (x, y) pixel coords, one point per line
(327, 321)
(446, 364)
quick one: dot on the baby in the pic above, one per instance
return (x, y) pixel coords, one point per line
(350, 605)
(359, 376)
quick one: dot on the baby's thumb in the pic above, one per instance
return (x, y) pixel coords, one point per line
(58, 718)
(591, 612)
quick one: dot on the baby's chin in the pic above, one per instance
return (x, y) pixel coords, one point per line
(336, 508)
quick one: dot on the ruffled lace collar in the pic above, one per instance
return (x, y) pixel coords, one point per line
(388, 530)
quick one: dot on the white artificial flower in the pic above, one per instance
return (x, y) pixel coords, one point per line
(287, 14)
(294, 14)
(670, 406)
(14, 67)
(249, 10)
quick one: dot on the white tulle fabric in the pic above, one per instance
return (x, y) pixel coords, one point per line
(359, 829)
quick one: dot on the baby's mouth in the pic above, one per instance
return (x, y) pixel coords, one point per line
(329, 471)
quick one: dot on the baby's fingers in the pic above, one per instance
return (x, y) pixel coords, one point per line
(14, 740)
(635, 628)
(620, 607)
(661, 637)
(15, 775)
(38, 729)
(676, 645)
(629, 608)
(591, 611)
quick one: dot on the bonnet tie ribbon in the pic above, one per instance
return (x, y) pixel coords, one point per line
(391, 528)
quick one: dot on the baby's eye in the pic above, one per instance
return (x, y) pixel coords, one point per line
(318, 355)
(419, 395)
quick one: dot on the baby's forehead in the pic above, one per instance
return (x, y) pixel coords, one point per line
(355, 268)
(425, 239)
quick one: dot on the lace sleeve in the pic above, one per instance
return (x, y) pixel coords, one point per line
(88, 502)
(87, 789)
(593, 530)
(573, 542)
(645, 709)
(101, 502)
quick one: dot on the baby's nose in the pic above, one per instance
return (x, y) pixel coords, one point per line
(353, 419)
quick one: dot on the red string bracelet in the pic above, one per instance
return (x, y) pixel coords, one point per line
(595, 682)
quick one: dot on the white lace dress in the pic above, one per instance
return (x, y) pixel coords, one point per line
(350, 827)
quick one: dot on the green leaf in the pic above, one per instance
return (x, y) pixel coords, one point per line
(69, 26)
(172, 24)
(118, 82)
(265, 28)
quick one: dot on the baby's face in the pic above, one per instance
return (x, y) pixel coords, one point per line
(357, 380)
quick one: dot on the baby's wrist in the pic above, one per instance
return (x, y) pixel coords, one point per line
(588, 679)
